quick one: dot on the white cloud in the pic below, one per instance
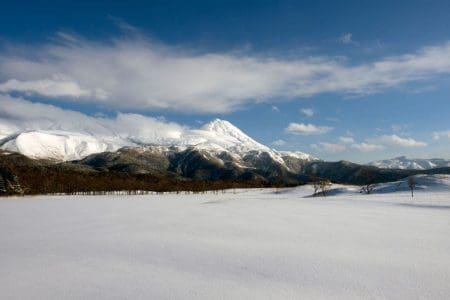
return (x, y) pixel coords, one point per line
(19, 115)
(137, 74)
(50, 88)
(306, 129)
(67, 37)
(329, 147)
(395, 140)
(275, 108)
(308, 112)
(279, 143)
(441, 134)
(346, 139)
(345, 144)
(367, 147)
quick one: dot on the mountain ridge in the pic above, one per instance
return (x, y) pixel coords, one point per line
(215, 156)
(404, 163)
(216, 137)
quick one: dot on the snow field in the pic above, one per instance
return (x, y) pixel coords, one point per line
(252, 244)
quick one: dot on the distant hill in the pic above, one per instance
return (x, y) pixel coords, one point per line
(403, 162)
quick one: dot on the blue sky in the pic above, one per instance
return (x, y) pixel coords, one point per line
(355, 80)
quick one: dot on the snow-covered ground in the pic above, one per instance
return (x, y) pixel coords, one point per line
(247, 244)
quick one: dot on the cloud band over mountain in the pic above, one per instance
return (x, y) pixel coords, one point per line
(134, 73)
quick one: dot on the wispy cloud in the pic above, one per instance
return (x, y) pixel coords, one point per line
(367, 147)
(278, 142)
(306, 129)
(138, 74)
(347, 143)
(395, 140)
(344, 146)
(123, 25)
(347, 39)
(329, 147)
(441, 134)
(308, 112)
(346, 139)
(55, 87)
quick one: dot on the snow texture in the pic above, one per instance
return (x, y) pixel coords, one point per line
(243, 244)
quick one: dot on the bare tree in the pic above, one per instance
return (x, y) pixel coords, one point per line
(324, 185)
(316, 185)
(2, 185)
(412, 184)
(321, 187)
(368, 188)
(370, 180)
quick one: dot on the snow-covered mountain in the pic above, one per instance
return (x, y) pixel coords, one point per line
(404, 163)
(58, 145)
(216, 137)
(220, 135)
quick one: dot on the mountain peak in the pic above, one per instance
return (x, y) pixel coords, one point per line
(219, 125)
(225, 129)
(228, 136)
